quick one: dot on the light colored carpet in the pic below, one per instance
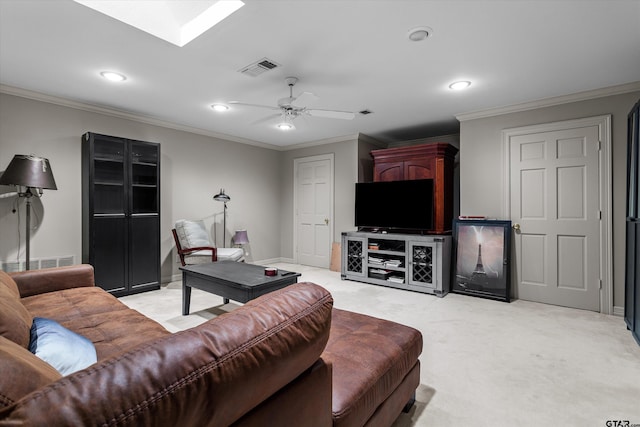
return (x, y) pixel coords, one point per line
(484, 363)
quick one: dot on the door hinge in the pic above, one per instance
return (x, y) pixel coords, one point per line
(599, 145)
(599, 214)
(600, 284)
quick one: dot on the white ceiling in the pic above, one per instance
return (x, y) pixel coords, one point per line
(353, 55)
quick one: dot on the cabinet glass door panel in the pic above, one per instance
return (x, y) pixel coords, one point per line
(109, 172)
(108, 199)
(144, 199)
(144, 153)
(144, 178)
(144, 174)
(106, 148)
(109, 176)
(354, 263)
(423, 267)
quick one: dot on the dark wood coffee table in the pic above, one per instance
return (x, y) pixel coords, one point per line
(238, 281)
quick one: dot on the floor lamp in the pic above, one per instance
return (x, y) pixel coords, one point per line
(31, 175)
(221, 197)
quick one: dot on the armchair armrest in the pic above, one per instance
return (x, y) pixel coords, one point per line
(34, 282)
(213, 250)
(186, 251)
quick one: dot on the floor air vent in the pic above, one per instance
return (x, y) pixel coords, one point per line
(259, 67)
(38, 263)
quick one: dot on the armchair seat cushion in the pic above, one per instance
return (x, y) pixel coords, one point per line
(230, 254)
(204, 256)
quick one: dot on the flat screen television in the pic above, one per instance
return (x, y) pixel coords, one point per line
(401, 205)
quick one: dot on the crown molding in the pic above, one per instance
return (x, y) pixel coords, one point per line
(93, 108)
(333, 140)
(549, 102)
(371, 140)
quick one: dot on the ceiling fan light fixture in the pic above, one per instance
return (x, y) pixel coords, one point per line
(460, 85)
(220, 107)
(286, 125)
(112, 76)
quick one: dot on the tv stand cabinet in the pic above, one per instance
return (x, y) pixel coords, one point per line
(412, 262)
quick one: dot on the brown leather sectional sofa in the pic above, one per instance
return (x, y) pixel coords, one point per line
(287, 358)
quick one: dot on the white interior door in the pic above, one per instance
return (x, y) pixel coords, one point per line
(556, 208)
(313, 205)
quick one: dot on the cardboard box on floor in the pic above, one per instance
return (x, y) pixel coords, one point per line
(335, 257)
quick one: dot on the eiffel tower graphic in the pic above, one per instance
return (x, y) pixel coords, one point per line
(479, 276)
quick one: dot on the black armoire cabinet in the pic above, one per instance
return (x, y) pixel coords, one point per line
(632, 274)
(121, 212)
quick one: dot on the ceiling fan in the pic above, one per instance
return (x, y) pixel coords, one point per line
(292, 107)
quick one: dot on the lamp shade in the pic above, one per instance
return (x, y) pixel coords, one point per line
(221, 197)
(241, 237)
(29, 171)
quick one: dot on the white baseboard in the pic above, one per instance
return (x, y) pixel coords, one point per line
(618, 311)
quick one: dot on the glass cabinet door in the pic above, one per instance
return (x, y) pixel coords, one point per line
(144, 178)
(109, 176)
(422, 265)
(354, 261)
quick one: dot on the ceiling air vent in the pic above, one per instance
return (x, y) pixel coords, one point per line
(259, 67)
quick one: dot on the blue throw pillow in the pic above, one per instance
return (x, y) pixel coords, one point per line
(61, 348)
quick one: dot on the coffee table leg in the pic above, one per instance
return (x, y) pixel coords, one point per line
(186, 299)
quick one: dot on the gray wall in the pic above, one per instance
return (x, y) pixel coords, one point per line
(482, 164)
(346, 174)
(193, 169)
(259, 181)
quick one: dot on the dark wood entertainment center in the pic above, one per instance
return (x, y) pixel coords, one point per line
(424, 161)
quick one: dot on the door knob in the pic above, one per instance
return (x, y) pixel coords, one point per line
(326, 221)
(516, 227)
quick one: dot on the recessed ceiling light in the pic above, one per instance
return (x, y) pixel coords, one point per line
(220, 107)
(113, 76)
(419, 33)
(463, 84)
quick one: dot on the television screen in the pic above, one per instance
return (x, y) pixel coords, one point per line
(395, 205)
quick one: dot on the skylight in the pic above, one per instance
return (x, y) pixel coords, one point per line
(177, 22)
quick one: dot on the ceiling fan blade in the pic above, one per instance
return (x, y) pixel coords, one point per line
(244, 104)
(332, 114)
(266, 119)
(304, 99)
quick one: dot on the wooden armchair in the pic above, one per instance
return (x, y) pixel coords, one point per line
(195, 247)
(190, 252)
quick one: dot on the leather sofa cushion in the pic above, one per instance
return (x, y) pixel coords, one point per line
(7, 282)
(15, 319)
(210, 375)
(21, 372)
(370, 357)
(98, 316)
(34, 282)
